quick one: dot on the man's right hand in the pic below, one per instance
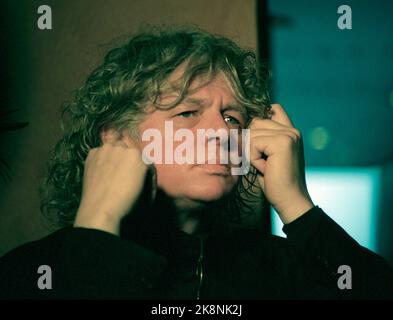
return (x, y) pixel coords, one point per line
(114, 177)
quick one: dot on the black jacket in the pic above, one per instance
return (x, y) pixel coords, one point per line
(226, 264)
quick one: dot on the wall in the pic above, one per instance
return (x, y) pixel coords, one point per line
(43, 67)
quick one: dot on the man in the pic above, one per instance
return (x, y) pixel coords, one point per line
(172, 229)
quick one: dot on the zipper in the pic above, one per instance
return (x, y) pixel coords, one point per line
(199, 269)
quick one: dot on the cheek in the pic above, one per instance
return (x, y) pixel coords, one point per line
(171, 176)
(183, 180)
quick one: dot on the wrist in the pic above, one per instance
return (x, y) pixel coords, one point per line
(295, 209)
(99, 221)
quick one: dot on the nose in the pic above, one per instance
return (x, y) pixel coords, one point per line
(215, 127)
(215, 138)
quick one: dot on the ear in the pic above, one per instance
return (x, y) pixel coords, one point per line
(110, 135)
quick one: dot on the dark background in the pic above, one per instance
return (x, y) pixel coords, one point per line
(337, 80)
(42, 67)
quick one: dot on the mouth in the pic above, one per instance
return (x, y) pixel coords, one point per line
(216, 169)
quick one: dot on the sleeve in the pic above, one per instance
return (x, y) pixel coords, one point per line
(84, 263)
(335, 262)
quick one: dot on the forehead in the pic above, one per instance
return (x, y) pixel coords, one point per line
(217, 85)
(204, 85)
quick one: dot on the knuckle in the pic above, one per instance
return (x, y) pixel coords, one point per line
(133, 152)
(106, 146)
(255, 121)
(260, 124)
(297, 133)
(136, 155)
(286, 140)
(293, 136)
(118, 147)
(276, 105)
(91, 152)
(254, 133)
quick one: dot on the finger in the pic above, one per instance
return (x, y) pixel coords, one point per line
(257, 123)
(279, 115)
(259, 150)
(263, 147)
(266, 124)
(273, 132)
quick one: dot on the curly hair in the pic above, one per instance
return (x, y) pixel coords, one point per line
(131, 77)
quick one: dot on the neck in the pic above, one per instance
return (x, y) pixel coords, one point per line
(165, 214)
(188, 224)
(189, 216)
(194, 217)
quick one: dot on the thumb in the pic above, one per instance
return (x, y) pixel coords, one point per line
(115, 137)
(109, 136)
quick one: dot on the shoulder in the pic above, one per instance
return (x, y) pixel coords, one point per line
(28, 249)
(20, 266)
(258, 244)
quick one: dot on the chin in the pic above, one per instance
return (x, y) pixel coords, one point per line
(210, 190)
(196, 186)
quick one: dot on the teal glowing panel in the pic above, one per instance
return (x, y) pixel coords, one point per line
(349, 196)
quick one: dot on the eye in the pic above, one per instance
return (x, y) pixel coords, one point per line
(187, 114)
(231, 120)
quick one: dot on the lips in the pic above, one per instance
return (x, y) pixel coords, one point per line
(218, 169)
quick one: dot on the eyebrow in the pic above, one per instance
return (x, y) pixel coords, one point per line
(231, 106)
(239, 108)
(194, 101)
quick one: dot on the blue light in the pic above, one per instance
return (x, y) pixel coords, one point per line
(349, 196)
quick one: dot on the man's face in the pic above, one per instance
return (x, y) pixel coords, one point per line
(210, 107)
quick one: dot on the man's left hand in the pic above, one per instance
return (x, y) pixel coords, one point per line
(276, 151)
